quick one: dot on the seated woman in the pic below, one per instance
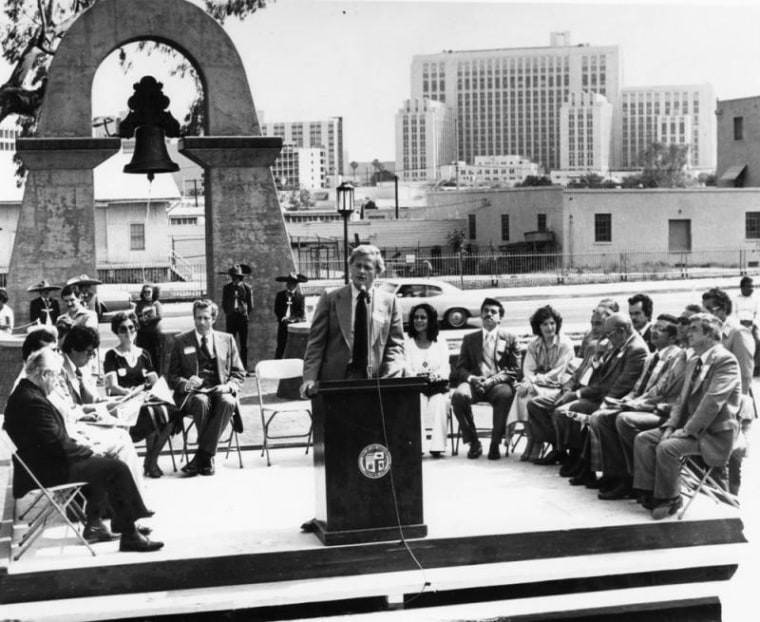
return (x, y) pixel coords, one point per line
(546, 360)
(126, 366)
(427, 354)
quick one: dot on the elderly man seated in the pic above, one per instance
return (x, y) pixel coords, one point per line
(702, 422)
(39, 432)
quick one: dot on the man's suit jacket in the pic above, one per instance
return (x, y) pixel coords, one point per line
(184, 361)
(39, 432)
(297, 306)
(738, 341)
(707, 408)
(331, 342)
(471, 356)
(618, 373)
(36, 310)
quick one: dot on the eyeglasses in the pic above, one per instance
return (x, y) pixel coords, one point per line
(129, 328)
(90, 353)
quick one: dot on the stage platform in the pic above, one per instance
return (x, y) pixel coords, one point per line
(506, 539)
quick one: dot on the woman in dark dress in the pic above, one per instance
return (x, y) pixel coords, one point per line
(127, 366)
(149, 335)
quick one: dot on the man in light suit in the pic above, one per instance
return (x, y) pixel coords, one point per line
(206, 373)
(487, 368)
(703, 420)
(337, 348)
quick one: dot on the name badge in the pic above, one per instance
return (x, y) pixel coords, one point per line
(121, 372)
(189, 350)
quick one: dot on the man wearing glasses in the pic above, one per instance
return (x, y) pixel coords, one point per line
(79, 348)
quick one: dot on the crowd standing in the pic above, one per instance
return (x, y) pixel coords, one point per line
(618, 415)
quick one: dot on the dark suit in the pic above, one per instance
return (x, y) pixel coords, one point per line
(499, 395)
(330, 346)
(706, 411)
(297, 314)
(37, 310)
(210, 411)
(38, 430)
(237, 303)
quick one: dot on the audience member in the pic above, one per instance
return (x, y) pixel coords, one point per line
(289, 307)
(6, 313)
(486, 370)
(149, 297)
(747, 311)
(640, 308)
(150, 337)
(237, 304)
(74, 309)
(427, 354)
(702, 422)
(44, 309)
(88, 294)
(206, 373)
(547, 358)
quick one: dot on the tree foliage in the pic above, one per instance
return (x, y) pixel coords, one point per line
(592, 180)
(663, 166)
(534, 180)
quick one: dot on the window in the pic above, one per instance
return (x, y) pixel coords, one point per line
(738, 128)
(602, 227)
(752, 225)
(542, 222)
(136, 236)
(433, 290)
(471, 220)
(505, 227)
(411, 291)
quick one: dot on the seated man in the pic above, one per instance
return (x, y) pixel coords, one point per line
(702, 422)
(38, 430)
(615, 377)
(487, 367)
(661, 377)
(206, 373)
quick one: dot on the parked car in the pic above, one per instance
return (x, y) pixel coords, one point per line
(454, 306)
(113, 300)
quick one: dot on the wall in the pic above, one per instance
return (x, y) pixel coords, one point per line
(736, 152)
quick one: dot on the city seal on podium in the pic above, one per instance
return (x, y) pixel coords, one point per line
(374, 461)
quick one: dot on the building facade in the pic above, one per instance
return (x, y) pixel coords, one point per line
(424, 139)
(494, 171)
(681, 114)
(509, 100)
(326, 135)
(585, 122)
(300, 167)
(738, 132)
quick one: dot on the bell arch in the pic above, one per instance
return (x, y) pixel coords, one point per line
(55, 236)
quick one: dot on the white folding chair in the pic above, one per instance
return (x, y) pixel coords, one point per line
(279, 369)
(48, 502)
(696, 478)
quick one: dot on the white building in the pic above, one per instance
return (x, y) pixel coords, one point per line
(585, 122)
(424, 139)
(494, 171)
(300, 167)
(680, 114)
(8, 133)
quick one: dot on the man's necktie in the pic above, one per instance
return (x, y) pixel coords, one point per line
(648, 374)
(80, 380)
(204, 347)
(695, 374)
(361, 336)
(488, 354)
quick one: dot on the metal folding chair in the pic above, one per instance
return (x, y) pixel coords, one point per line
(279, 369)
(696, 478)
(48, 502)
(187, 428)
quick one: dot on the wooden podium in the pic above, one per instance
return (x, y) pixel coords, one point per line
(367, 460)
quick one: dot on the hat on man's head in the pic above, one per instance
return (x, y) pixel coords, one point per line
(238, 269)
(42, 285)
(292, 277)
(83, 279)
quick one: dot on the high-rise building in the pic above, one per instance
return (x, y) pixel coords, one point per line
(585, 122)
(8, 133)
(680, 114)
(508, 100)
(300, 167)
(424, 139)
(326, 135)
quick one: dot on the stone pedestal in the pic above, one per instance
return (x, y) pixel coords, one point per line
(10, 363)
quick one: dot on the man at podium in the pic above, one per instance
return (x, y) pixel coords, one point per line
(356, 331)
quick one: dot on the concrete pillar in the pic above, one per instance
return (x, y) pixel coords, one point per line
(245, 225)
(55, 236)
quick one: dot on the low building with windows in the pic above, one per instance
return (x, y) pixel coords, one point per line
(497, 171)
(738, 122)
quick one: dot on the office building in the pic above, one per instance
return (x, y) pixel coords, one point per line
(496, 171)
(585, 122)
(298, 168)
(424, 139)
(738, 132)
(671, 114)
(326, 135)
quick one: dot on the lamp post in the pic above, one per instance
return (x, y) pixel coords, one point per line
(345, 197)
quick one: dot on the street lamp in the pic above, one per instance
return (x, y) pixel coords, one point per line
(345, 197)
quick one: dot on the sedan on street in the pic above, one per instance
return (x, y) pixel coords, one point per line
(453, 305)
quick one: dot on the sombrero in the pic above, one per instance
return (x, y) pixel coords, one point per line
(83, 279)
(43, 284)
(238, 269)
(292, 278)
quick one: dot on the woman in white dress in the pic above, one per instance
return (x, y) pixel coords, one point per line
(427, 354)
(544, 367)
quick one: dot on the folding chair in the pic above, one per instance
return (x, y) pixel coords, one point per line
(186, 429)
(48, 502)
(696, 478)
(280, 369)
(479, 431)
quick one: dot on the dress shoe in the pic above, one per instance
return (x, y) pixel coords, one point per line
(582, 478)
(153, 471)
(98, 531)
(208, 468)
(192, 468)
(622, 491)
(143, 530)
(138, 543)
(603, 483)
(553, 457)
(494, 453)
(476, 450)
(570, 469)
(666, 507)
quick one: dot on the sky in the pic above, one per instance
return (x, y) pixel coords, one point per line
(312, 59)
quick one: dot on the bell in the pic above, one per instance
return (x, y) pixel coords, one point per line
(150, 155)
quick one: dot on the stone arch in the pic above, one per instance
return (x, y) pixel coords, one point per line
(55, 236)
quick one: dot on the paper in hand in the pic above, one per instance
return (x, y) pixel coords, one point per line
(161, 391)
